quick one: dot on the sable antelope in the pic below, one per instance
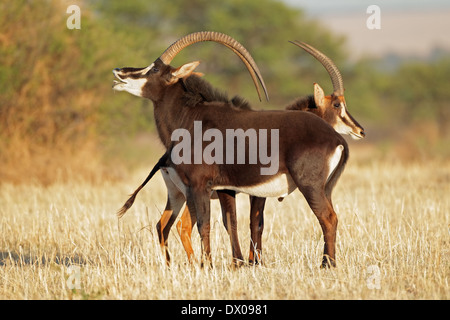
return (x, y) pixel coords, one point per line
(311, 154)
(159, 76)
(317, 104)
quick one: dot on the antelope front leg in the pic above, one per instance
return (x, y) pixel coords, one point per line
(256, 228)
(198, 202)
(227, 200)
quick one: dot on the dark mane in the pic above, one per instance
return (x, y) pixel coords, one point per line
(302, 103)
(198, 90)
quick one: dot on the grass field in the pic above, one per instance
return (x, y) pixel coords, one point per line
(65, 242)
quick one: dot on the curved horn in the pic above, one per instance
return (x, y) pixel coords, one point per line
(333, 71)
(221, 38)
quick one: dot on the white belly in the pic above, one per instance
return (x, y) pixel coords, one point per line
(280, 186)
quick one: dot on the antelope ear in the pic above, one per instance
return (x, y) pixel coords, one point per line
(185, 70)
(319, 96)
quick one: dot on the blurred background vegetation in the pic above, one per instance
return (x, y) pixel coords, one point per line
(60, 119)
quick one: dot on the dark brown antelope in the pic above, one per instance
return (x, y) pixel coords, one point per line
(310, 154)
(195, 91)
(326, 107)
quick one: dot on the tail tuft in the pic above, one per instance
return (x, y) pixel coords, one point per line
(126, 206)
(161, 163)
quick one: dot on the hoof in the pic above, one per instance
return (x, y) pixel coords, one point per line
(237, 263)
(328, 262)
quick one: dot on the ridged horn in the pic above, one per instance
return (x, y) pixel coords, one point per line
(333, 71)
(221, 38)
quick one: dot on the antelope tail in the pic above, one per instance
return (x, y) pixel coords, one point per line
(162, 162)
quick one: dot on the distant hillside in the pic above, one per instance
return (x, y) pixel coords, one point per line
(410, 34)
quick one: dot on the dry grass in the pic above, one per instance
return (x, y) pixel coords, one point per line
(392, 218)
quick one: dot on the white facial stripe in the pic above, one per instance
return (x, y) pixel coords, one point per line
(133, 86)
(340, 126)
(343, 110)
(129, 84)
(344, 128)
(144, 71)
(136, 86)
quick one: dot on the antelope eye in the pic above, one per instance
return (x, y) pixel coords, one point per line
(337, 105)
(152, 70)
